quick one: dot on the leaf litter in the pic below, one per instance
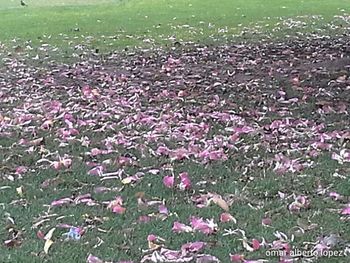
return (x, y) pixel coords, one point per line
(131, 117)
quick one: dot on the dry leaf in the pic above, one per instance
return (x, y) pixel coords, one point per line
(47, 245)
(20, 191)
(48, 241)
(247, 246)
(220, 202)
(48, 236)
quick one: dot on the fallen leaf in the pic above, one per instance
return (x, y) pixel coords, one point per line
(48, 244)
(220, 202)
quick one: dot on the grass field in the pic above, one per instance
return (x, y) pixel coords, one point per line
(222, 153)
(114, 24)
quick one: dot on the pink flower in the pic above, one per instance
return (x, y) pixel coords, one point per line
(67, 162)
(300, 201)
(68, 116)
(95, 152)
(227, 217)
(266, 221)
(144, 219)
(346, 155)
(98, 170)
(47, 124)
(182, 93)
(185, 182)
(173, 61)
(162, 150)
(217, 155)
(343, 156)
(40, 235)
(202, 200)
(286, 259)
(336, 157)
(236, 258)
(168, 181)
(116, 205)
(234, 137)
(62, 201)
(123, 161)
(86, 90)
(346, 210)
(335, 195)
(93, 259)
(163, 209)
(204, 154)
(84, 199)
(151, 238)
(56, 165)
(193, 247)
(205, 226)
(180, 228)
(179, 154)
(281, 245)
(255, 244)
(21, 170)
(244, 129)
(118, 209)
(320, 248)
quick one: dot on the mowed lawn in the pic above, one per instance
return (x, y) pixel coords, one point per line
(237, 151)
(118, 23)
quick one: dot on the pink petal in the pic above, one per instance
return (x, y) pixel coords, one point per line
(151, 238)
(335, 195)
(236, 258)
(217, 155)
(132, 179)
(62, 201)
(300, 201)
(346, 210)
(86, 90)
(93, 259)
(66, 162)
(144, 219)
(205, 226)
(179, 154)
(168, 181)
(266, 221)
(255, 244)
(116, 205)
(118, 209)
(40, 235)
(226, 217)
(96, 171)
(123, 161)
(21, 169)
(320, 248)
(56, 165)
(280, 245)
(95, 152)
(162, 150)
(185, 182)
(179, 227)
(47, 125)
(163, 209)
(244, 129)
(193, 247)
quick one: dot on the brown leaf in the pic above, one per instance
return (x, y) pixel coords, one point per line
(220, 202)
(10, 243)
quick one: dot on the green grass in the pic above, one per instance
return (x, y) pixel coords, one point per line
(114, 24)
